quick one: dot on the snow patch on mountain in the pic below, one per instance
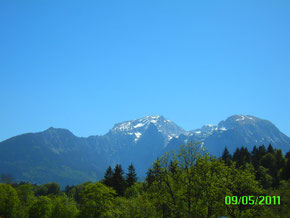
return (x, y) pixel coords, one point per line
(240, 118)
(138, 135)
(138, 126)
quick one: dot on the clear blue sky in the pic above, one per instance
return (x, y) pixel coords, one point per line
(86, 65)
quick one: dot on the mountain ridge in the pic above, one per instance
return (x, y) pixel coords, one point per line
(57, 152)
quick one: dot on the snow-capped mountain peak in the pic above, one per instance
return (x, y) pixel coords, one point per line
(237, 120)
(204, 131)
(138, 126)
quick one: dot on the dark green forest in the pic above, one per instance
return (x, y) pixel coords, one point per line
(188, 183)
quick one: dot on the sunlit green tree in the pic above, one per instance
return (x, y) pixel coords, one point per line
(9, 201)
(97, 201)
(41, 208)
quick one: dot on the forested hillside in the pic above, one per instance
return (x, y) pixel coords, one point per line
(189, 183)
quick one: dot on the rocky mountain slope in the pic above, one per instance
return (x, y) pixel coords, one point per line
(58, 155)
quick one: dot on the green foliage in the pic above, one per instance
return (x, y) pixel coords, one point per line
(75, 192)
(282, 210)
(242, 157)
(242, 183)
(285, 173)
(9, 201)
(187, 184)
(134, 190)
(97, 201)
(227, 157)
(131, 176)
(41, 190)
(64, 207)
(115, 179)
(270, 149)
(26, 197)
(41, 208)
(53, 188)
(194, 184)
(140, 206)
(265, 179)
(108, 177)
(48, 189)
(118, 181)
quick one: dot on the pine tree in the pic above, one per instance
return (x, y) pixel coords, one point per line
(118, 181)
(153, 173)
(173, 167)
(150, 177)
(237, 157)
(269, 162)
(131, 176)
(270, 149)
(257, 154)
(108, 177)
(255, 157)
(262, 150)
(286, 168)
(241, 157)
(246, 155)
(280, 159)
(227, 157)
(287, 155)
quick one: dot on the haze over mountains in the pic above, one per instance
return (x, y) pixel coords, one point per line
(58, 155)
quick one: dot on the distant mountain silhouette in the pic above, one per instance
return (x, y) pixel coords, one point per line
(58, 155)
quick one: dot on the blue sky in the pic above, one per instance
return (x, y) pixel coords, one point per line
(86, 65)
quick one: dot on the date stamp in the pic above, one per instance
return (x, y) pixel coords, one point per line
(252, 200)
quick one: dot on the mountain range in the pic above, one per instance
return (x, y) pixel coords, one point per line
(58, 155)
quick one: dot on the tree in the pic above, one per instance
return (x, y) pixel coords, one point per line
(286, 169)
(237, 157)
(134, 190)
(108, 177)
(118, 181)
(26, 197)
(131, 176)
(287, 155)
(262, 175)
(279, 159)
(270, 149)
(269, 161)
(154, 172)
(242, 157)
(9, 201)
(53, 188)
(75, 192)
(173, 166)
(64, 207)
(41, 190)
(246, 155)
(262, 151)
(149, 177)
(139, 206)
(283, 191)
(199, 184)
(97, 201)
(255, 157)
(227, 157)
(41, 208)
